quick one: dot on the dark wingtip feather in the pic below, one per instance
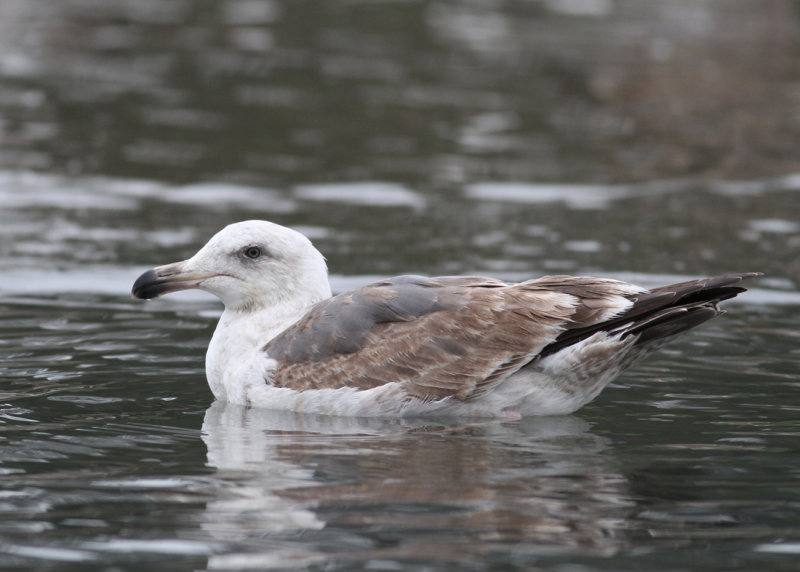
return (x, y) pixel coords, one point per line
(664, 311)
(673, 322)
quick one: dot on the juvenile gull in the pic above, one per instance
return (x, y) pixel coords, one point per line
(413, 345)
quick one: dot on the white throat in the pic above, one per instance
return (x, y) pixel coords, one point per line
(240, 336)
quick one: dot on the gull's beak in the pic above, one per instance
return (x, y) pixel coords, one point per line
(166, 279)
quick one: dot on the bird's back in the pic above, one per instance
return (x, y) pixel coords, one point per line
(483, 346)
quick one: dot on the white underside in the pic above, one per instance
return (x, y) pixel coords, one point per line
(557, 385)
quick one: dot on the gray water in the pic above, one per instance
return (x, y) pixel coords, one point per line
(650, 142)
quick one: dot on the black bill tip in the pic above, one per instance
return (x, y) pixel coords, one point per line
(149, 285)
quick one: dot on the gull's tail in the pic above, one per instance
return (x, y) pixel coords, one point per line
(662, 312)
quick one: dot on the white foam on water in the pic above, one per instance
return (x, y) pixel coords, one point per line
(145, 483)
(775, 226)
(158, 546)
(229, 195)
(47, 553)
(574, 196)
(779, 548)
(20, 190)
(376, 194)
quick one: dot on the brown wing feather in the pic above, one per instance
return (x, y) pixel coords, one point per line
(462, 335)
(447, 353)
(458, 336)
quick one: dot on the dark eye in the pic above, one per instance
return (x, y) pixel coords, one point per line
(252, 252)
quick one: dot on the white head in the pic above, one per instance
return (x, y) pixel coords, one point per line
(249, 265)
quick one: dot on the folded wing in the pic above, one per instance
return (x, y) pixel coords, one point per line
(440, 337)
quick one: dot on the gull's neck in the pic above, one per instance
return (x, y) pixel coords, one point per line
(264, 322)
(269, 317)
(242, 333)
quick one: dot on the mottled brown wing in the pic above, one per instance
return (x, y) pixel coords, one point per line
(442, 337)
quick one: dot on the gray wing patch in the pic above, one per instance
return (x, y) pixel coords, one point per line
(340, 324)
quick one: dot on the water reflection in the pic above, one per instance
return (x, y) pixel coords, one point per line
(439, 491)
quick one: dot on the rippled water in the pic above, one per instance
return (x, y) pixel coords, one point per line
(114, 453)
(402, 137)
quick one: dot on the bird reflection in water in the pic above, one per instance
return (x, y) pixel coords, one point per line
(290, 486)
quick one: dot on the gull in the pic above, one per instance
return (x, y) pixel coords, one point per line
(415, 345)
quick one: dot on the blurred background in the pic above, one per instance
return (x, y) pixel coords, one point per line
(431, 93)
(433, 136)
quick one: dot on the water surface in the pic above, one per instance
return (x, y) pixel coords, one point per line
(113, 451)
(649, 143)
